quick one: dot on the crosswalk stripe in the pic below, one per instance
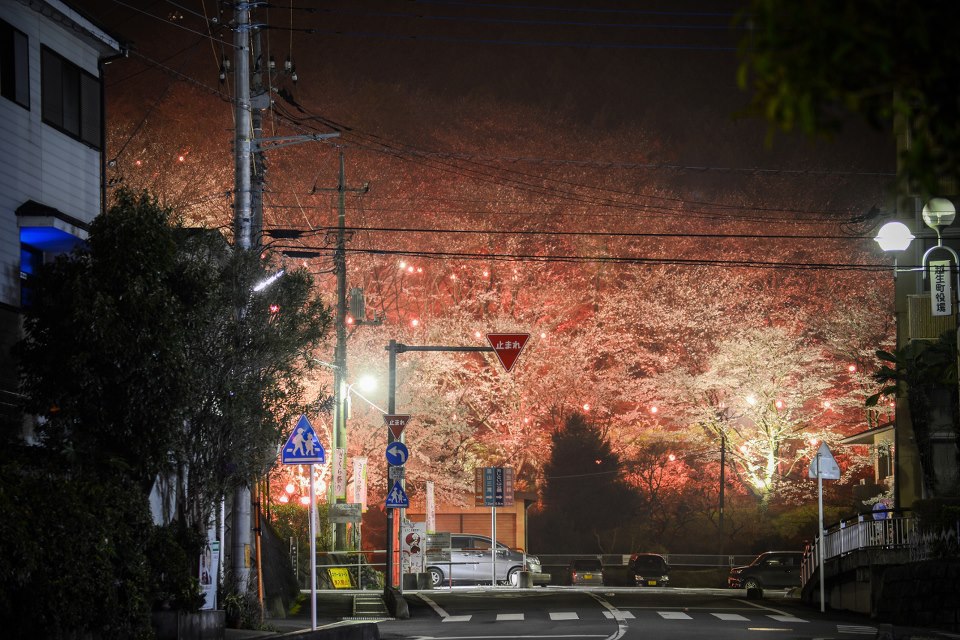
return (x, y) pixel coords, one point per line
(674, 615)
(457, 618)
(730, 617)
(564, 615)
(619, 615)
(787, 619)
(856, 628)
(504, 617)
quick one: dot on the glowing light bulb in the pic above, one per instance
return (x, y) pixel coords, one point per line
(672, 458)
(779, 404)
(284, 498)
(289, 488)
(305, 500)
(415, 323)
(403, 264)
(476, 334)
(852, 368)
(827, 405)
(654, 409)
(586, 406)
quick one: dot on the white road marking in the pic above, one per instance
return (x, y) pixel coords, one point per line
(787, 619)
(619, 615)
(856, 628)
(621, 625)
(674, 615)
(730, 617)
(564, 615)
(764, 607)
(433, 605)
(449, 618)
(504, 617)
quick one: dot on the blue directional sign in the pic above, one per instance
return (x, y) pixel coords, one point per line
(397, 498)
(303, 446)
(397, 454)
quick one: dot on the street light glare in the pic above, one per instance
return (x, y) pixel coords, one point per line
(366, 383)
(894, 236)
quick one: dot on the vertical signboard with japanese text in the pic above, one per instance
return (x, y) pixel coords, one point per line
(360, 482)
(340, 473)
(941, 295)
(431, 509)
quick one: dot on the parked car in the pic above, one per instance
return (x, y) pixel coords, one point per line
(471, 562)
(586, 571)
(649, 570)
(770, 570)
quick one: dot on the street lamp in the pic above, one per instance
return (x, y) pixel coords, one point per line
(367, 383)
(896, 237)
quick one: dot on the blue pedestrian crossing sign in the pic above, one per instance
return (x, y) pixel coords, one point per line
(397, 498)
(303, 446)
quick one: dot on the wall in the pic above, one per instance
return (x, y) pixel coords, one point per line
(924, 594)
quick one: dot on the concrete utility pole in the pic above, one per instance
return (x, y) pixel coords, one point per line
(340, 351)
(241, 528)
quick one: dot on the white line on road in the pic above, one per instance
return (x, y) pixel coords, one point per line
(674, 615)
(617, 615)
(730, 617)
(564, 615)
(433, 605)
(505, 617)
(449, 618)
(788, 619)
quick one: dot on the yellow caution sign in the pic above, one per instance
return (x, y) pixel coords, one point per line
(340, 578)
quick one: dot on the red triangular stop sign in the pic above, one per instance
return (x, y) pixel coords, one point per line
(396, 424)
(507, 346)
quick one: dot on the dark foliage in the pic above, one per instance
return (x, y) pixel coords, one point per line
(585, 500)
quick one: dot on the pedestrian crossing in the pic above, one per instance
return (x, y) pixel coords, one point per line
(626, 615)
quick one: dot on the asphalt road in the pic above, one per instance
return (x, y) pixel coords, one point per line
(611, 614)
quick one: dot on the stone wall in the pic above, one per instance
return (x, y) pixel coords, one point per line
(924, 594)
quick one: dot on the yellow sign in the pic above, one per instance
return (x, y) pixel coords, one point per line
(340, 578)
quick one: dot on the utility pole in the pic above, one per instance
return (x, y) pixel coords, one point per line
(241, 527)
(340, 351)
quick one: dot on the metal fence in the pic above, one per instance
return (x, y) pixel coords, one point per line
(692, 560)
(894, 531)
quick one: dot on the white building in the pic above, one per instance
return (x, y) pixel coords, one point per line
(52, 165)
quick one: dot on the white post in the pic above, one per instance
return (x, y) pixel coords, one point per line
(821, 541)
(493, 547)
(313, 548)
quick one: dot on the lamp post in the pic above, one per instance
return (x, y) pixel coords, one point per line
(896, 237)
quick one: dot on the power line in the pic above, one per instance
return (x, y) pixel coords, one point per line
(615, 234)
(309, 252)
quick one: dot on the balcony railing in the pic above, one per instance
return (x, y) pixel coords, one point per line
(893, 531)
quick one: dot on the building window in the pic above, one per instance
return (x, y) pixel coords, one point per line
(71, 98)
(14, 65)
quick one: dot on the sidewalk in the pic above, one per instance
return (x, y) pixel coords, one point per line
(299, 628)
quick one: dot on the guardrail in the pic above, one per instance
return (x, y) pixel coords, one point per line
(673, 559)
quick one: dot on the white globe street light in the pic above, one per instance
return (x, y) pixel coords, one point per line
(894, 236)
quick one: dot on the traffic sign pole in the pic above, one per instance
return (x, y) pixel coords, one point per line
(507, 354)
(313, 548)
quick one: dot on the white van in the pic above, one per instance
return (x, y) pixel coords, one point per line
(471, 562)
